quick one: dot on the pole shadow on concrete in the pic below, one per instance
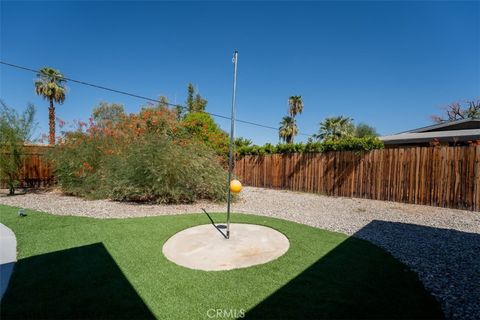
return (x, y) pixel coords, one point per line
(78, 283)
(219, 227)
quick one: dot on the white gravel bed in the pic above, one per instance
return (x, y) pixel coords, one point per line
(441, 245)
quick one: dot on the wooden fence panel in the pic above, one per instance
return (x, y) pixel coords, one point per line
(437, 176)
(36, 172)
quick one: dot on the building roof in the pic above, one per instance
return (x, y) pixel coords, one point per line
(418, 137)
(445, 124)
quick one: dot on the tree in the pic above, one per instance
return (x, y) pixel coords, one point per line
(242, 142)
(190, 96)
(50, 85)
(288, 129)
(335, 128)
(163, 102)
(455, 111)
(295, 105)
(202, 127)
(363, 130)
(195, 102)
(106, 113)
(178, 112)
(199, 104)
(15, 130)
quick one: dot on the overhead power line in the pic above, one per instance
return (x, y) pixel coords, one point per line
(146, 98)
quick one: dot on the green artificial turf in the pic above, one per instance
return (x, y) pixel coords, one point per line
(73, 267)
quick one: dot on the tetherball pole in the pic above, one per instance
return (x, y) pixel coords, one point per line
(232, 139)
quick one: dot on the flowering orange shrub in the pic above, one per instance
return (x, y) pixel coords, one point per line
(149, 156)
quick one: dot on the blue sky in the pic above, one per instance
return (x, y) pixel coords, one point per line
(389, 64)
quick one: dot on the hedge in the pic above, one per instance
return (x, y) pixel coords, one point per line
(345, 144)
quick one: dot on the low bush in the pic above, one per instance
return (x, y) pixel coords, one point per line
(158, 170)
(77, 164)
(345, 144)
(144, 157)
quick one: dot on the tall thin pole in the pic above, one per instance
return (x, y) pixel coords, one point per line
(232, 139)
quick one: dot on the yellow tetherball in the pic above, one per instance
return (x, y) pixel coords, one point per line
(235, 186)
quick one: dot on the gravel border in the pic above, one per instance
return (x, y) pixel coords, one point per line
(441, 245)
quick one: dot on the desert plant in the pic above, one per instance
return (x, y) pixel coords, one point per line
(145, 157)
(161, 171)
(77, 162)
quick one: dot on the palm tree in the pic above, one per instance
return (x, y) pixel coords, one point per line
(49, 85)
(335, 128)
(295, 105)
(288, 129)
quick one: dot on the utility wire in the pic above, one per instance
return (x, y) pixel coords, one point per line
(146, 98)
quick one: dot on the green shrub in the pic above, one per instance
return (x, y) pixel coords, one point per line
(353, 144)
(202, 127)
(161, 171)
(139, 159)
(77, 164)
(344, 144)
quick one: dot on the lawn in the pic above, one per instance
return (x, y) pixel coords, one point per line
(74, 267)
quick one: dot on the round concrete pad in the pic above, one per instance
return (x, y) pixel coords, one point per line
(205, 248)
